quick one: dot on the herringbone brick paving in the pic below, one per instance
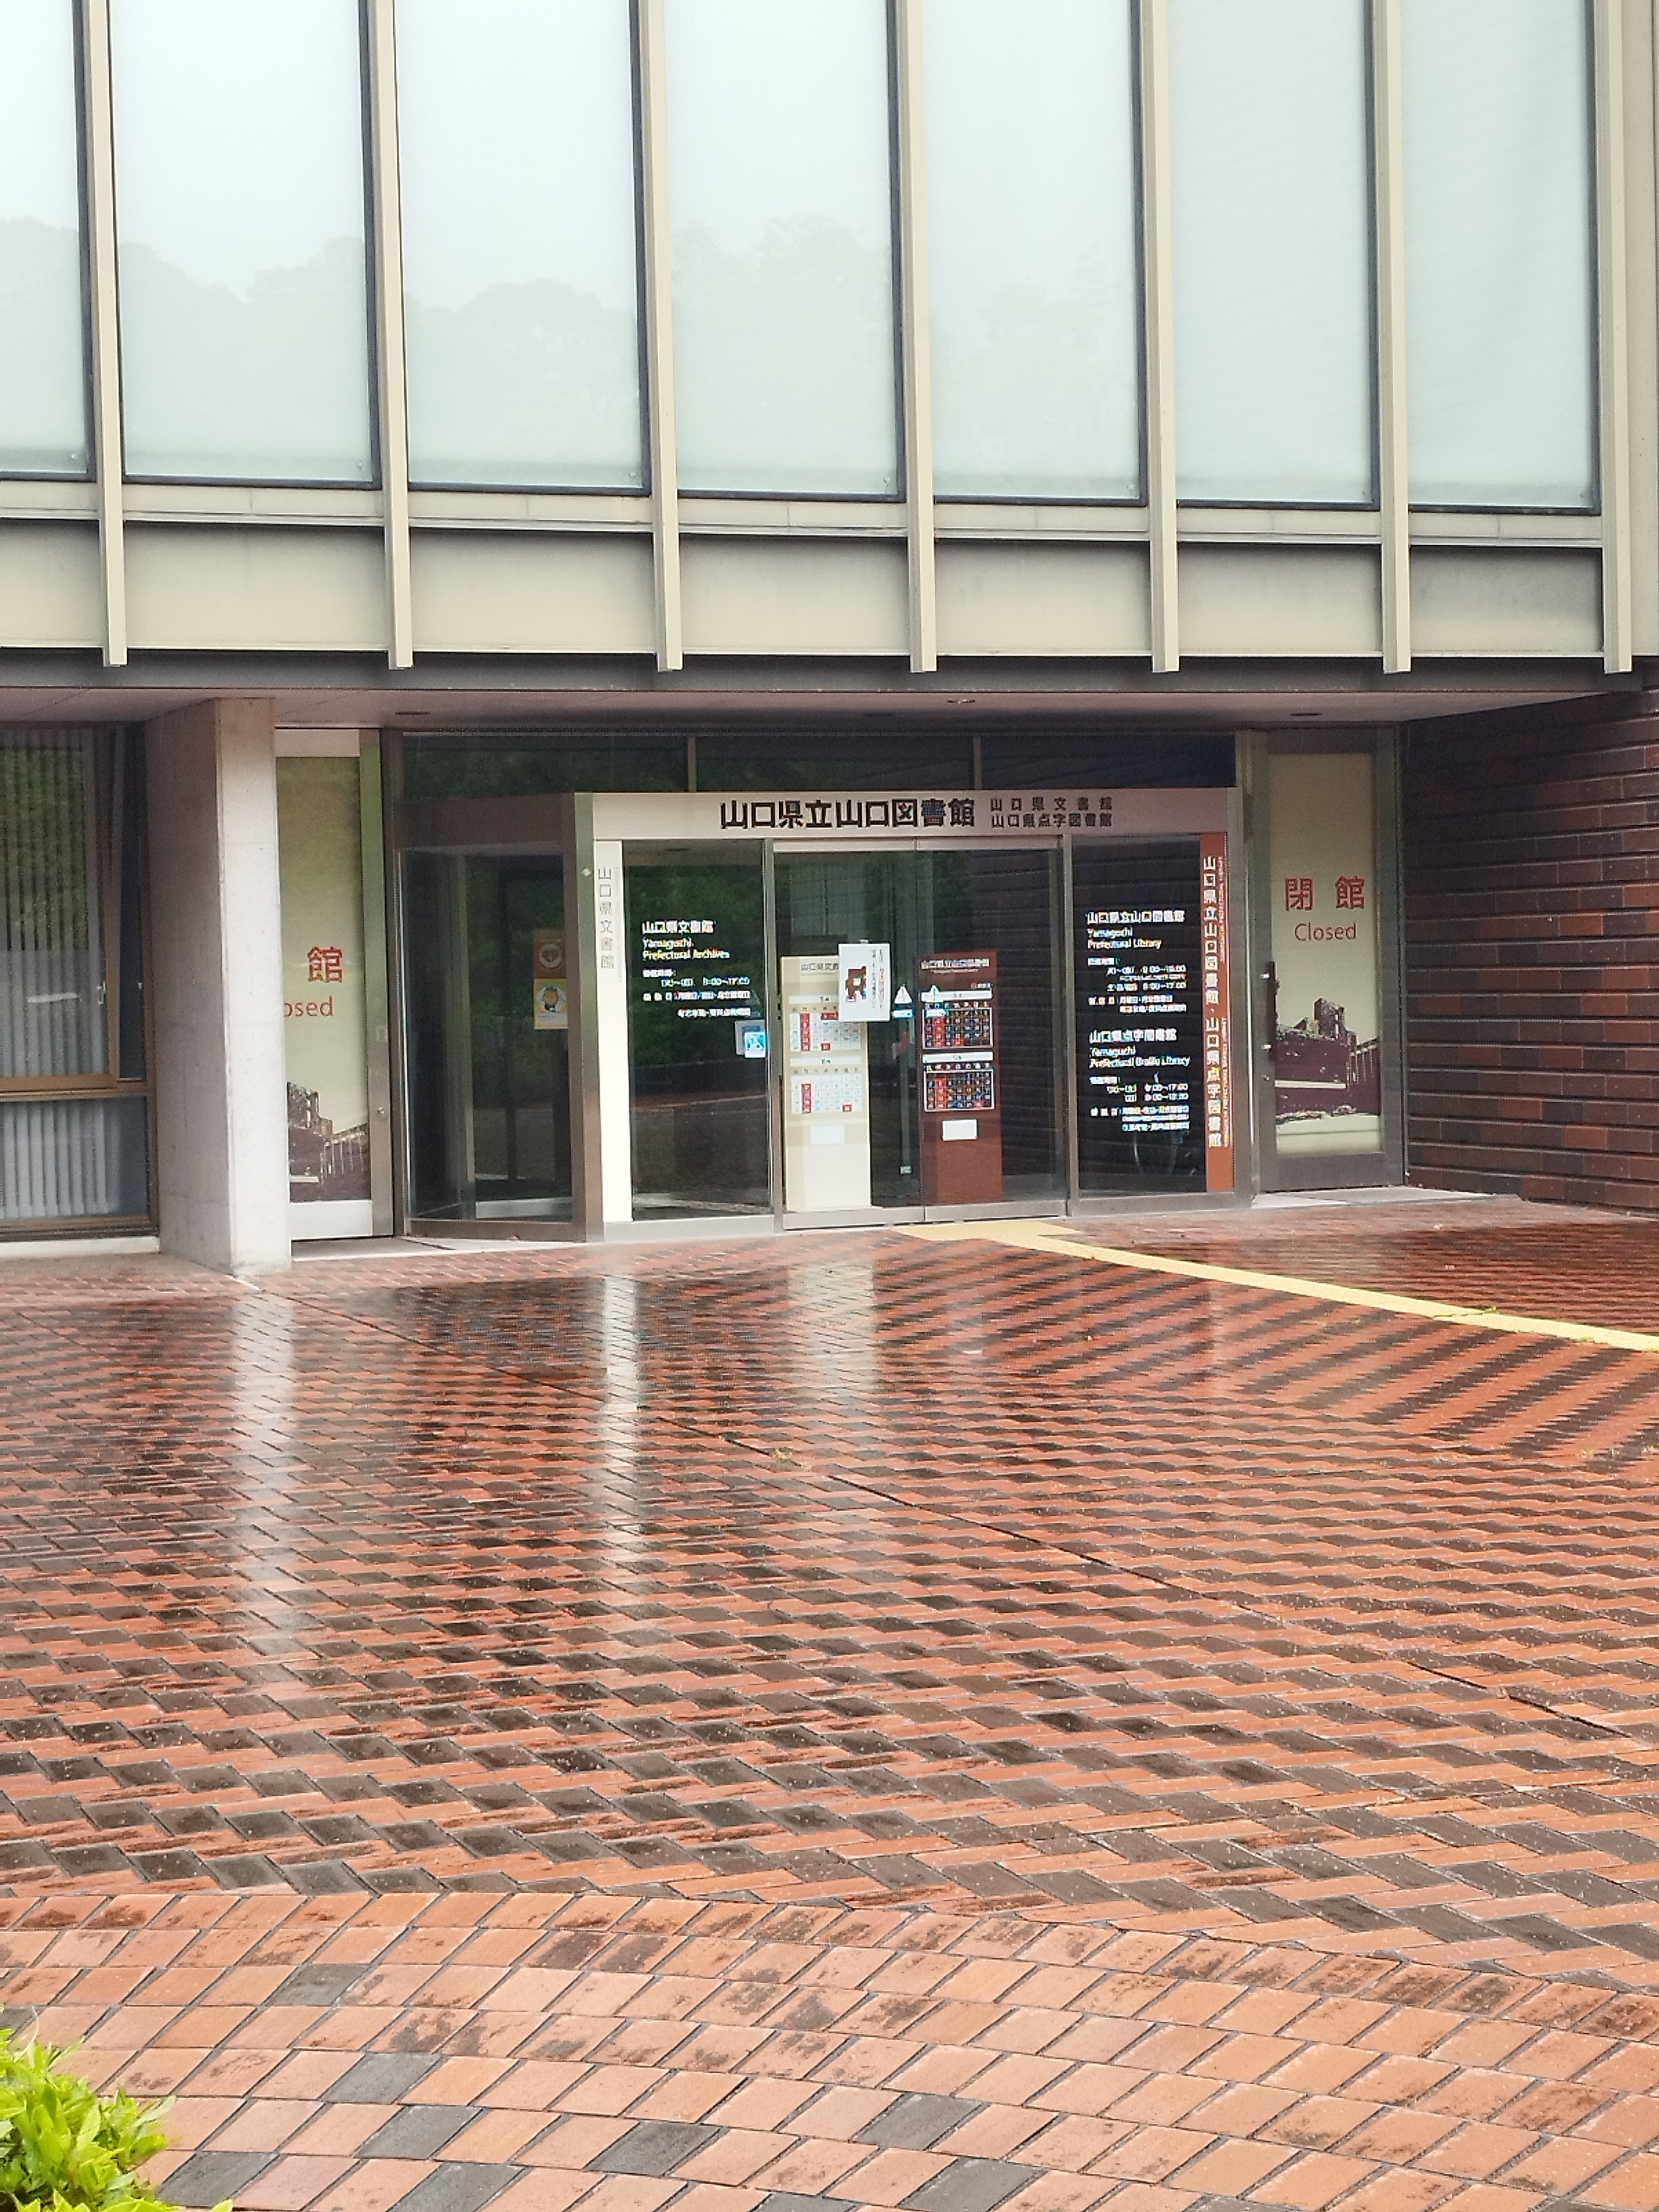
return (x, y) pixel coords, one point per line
(844, 1719)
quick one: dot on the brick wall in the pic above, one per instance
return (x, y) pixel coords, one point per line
(1531, 965)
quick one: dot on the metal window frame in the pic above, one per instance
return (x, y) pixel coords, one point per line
(1618, 226)
(559, 486)
(70, 1089)
(367, 11)
(83, 255)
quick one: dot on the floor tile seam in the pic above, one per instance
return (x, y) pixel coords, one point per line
(533, 1378)
(1044, 2119)
(820, 2095)
(1466, 1447)
(1312, 1940)
(1302, 1888)
(1463, 1372)
(1168, 1581)
(1214, 2039)
(1092, 1839)
(1247, 1399)
(1562, 1393)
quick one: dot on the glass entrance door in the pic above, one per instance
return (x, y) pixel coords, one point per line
(921, 1058)
(697, 1030)
(487, 1026)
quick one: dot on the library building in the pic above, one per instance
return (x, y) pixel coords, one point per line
(929, 609)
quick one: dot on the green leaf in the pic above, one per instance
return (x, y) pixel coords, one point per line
(64, 2147)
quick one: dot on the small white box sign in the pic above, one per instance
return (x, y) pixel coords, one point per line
(866, 974)
(957, 1132)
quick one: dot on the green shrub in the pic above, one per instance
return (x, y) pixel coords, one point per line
(65, 2148)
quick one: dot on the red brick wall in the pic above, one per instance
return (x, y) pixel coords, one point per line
(1532, 962)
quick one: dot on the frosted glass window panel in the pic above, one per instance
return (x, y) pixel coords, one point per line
(1500, 268)
(520, 265)
(1033, 256)
(43, 350)
(780, 174)
(1272, 243)
(239, 212)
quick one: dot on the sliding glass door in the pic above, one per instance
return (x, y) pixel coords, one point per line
(920, 1060)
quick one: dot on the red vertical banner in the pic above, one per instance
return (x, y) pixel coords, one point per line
(1217, 1024)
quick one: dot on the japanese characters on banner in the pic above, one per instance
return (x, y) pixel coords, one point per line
(864, 973)
(1026, 809)
(318, 820)
(1218, 1027)
(1138, 936)
(1324, 1016)
(855, 817)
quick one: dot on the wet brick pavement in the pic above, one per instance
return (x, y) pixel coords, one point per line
(847, 1720)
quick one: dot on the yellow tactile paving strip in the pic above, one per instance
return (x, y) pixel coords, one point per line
(1038, 1236)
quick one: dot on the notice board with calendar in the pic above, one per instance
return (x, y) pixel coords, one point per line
(961, 1102)
(826, 1100)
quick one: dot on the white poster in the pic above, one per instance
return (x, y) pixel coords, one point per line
(1326, 1017)
(866, 974)
(552, 1004)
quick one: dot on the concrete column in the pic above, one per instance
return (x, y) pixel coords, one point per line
(217, 985)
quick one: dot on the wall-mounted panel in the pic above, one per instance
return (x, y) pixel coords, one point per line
(255, 590)
(1499, 253)
(1271, 206)
(525, 591)
(43, 352)
(1243, 601)
(1038, 600)
(780, 187)
(1033, 220)
(780, 595)
(240, 211)
(1510, 600)
(519, 261)
(50, 587)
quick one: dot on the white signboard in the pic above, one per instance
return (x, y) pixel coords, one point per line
(1026, 814)
(826, 1101)
(866, 982)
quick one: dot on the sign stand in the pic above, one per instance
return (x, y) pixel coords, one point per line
(961, 1094)
(826, 1097)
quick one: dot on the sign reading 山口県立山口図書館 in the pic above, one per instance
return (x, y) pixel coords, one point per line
(849, 818)
(975, 810)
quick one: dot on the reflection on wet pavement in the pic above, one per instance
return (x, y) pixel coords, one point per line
(891, 1631)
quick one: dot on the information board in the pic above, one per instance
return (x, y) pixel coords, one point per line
(826, 1098)
(961, 1104)
(684, 963)
(1139, 1013)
